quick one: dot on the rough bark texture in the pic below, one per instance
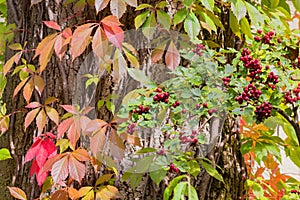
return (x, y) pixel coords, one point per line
(60, 79)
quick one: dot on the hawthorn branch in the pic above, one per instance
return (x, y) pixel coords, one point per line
(291, 121)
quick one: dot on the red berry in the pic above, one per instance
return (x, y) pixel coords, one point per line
(183, 111)
(205, 105)
(195, 141)
(155, 98)
(259, 31)
(198, 105)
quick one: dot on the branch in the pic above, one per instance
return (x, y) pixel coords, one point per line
(291, 121)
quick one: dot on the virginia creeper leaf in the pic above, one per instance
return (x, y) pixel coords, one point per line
(76, 169)
(17, 193)
(60, 169)
(30, 117)
(117, 7)
(53, 25)
(172, 56)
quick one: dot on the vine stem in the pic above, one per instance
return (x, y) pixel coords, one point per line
(291, 121)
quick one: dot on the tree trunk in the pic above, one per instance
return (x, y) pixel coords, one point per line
(60, 79)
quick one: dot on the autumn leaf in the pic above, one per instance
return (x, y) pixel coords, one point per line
(111, 21)
(116, 145)
(41, 120)
(117, 7)
(17, 193)
(19, 87)
(76, 169)
(64, 126)
(97, 141)
(70, 109)
(101, 4)
(100, 43)
(52, 114)
(60, 46)
(158, 52)
(114, 34)
(33, 150)
(81, 155)
(30, 117)
(73, 193)
(28, 90)
(9, 63)
(80, 39)
(108, 192)
(39, 84)
(172, 56)
(74, 133)
(53, 25)
(33, 105)
(60, 194)
(60, 169)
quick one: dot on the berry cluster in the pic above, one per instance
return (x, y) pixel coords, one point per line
(141, 109)
(295, 192)
(226, 80)
(266, 39)
(161, 152)
(252, 64)
(272, 80)
(212, 111)
(250, 92)
(263, 111)
(297, 64)
(161, 96)
(175, 104)
(173, 168)
(198, 49)
(288, 95)
(131, 128)
(191, 139)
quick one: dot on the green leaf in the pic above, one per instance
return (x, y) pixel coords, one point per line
(209, 24)
(179, 190)
(139, 75)
(149, 26)
(163, 19)
(145, 150)
(4, 154)
(173, 183)
(188, 3)
(192, 25)
(255, 16)
(208, 4)
(296, 4)
(180, 16)
(295, 156)
(110, 106)
(234, 25)
(100, 103)
(143, 6)
(194, 168)
(212, 171)
(162, 4)
(274, 3)
(192, 193)
(238, 8)
(246, 147)
(140, 19)
(158, 175)
(245, 27)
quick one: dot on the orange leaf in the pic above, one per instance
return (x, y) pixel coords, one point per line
(116, 145)
(60, 47)
(49, 100)
(49, 163)
(19, 87)
(60, 194)
(100, 43)
(83, 123)
(94, 125)
(53, 25)
(39, 84)
(158, 53)
(81, 155)
(33, 105)
(80, 39)
(67, 33)
(111, 21)
(28, 90)
(84, 190)
(46, 54)
(131, 139)
(97, 141)
(73, 193)
(43, 44)
(76, 169)
(73, 134)
(30, 117)
(114, 34)
(172, 56)
(64, 126)
(8, 65)
(101, 4)
(60, 169)
(52, 114)
(109, 192)
(41, 120)
(17, 193)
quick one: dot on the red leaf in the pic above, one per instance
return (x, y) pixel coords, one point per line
(101, 4)
(74, 134)
(17, 193)
(52, 114)
(80, 39)
(33, 105)
(19, 87)
(33, 150)
(70, 109)
(111, 21)
(64, 126)
(97, 141)
(114, 34)
(60, 47)
(76, 169)
(49, 147)
(39, 84)
(30, 117)
(172, 56)
(67, 33)
(41, 177)
(34, 169)
(81, 155)
(41, 120)
(100, 43)
(28, 90)
(60, 169)
(117, 7)
(53, 25)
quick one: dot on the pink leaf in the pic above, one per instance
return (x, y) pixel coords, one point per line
(76, 169)
(64, 126)
(34, 169)
(100, 43)
(101, 4)
(60, 47)
(33, 151)
(53, 25)
(41, 177)
(52, 114)
(33, 105)
(111, 21)
(81, 155)
(17, 193)
(74, 134)
(97, 141)
(49, 147)
(117, 7)
(114, 34)
(70, 109)
(172, 56)
(60, 169)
